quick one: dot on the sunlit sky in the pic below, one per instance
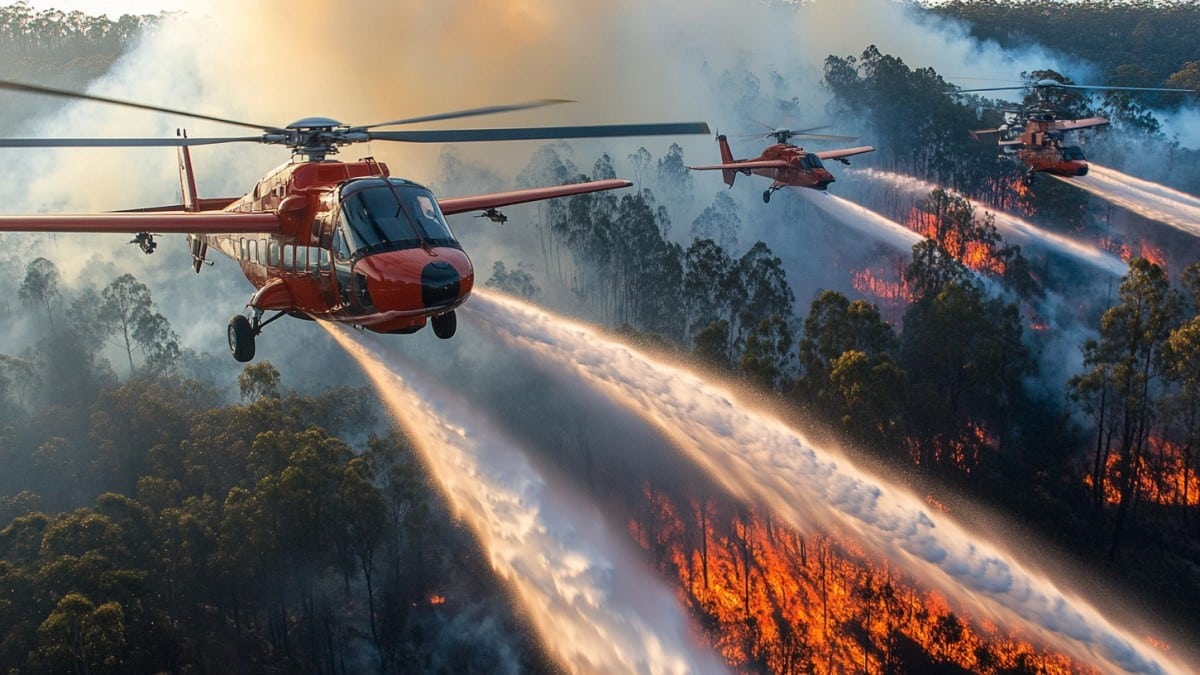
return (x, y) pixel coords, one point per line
(113, 8)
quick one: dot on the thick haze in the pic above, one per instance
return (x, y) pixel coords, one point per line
(367, 62)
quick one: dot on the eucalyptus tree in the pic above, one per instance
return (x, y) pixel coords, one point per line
(40, 287)
(1123, 383)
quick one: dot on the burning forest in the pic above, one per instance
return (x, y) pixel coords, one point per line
(942, 416)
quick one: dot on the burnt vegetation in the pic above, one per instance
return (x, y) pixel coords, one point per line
(149, 524)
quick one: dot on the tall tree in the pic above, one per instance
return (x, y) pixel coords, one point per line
(848, 368)
(719, 221)
(518, 282)
(1122, 385)
(710, 285)
(965, 362)
(41, 286)
(128, 311)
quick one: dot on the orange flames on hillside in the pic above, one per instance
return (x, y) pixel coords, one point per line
(1164, 476)
(973, 254)
(772, 600)
(1127, 251)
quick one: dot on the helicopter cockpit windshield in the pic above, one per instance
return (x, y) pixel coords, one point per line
(379, 214)
(1073, 153)
(810, 161)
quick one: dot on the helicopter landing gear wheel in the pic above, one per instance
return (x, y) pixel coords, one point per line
(767, 196)
(241, 338)
(444, 325)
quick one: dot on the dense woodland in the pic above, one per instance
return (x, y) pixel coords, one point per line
(149, 523)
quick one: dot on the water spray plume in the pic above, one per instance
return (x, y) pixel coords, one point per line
(594, 605)
(1146, 186)
(760, 459)
(1156, 202)
(1016, 228)
(864, 220)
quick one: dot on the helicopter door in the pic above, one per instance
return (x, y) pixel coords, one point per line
(320, 266)
(343, 268)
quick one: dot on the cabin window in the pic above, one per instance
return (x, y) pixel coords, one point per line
(254, 250)
(323, 255)
(272, 253)
(289, 253)
(243, 251)
(1073, 153)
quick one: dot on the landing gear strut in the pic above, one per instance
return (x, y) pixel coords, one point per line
(243, 330)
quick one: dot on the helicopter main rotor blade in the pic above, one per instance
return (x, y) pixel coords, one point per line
(966, 91)
(1098, 86)
(762, 124)
(823, 137)
(120, 142)
(540, 133)
(62, 93)
(1060, 85)
(471, 112)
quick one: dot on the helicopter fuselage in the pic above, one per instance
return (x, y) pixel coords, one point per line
(803, 169)
(354, 245)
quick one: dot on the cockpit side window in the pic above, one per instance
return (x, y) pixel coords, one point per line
(340, 249)
(815, 162)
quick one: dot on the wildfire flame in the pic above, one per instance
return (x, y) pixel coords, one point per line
(1164, 476)
(973, 254)
(771, 599)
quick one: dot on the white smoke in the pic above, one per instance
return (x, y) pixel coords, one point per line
(270, 62)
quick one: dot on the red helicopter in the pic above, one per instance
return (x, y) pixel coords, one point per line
(785, 164)
(1037, 142)
(325, 239)
(1035, 137)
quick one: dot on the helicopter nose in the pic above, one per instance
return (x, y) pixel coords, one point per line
(440, 284)
(413, 282)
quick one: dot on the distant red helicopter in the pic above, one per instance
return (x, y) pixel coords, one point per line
(320, 238)
(1040, 146)
(1035, 137)
(785, 164)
